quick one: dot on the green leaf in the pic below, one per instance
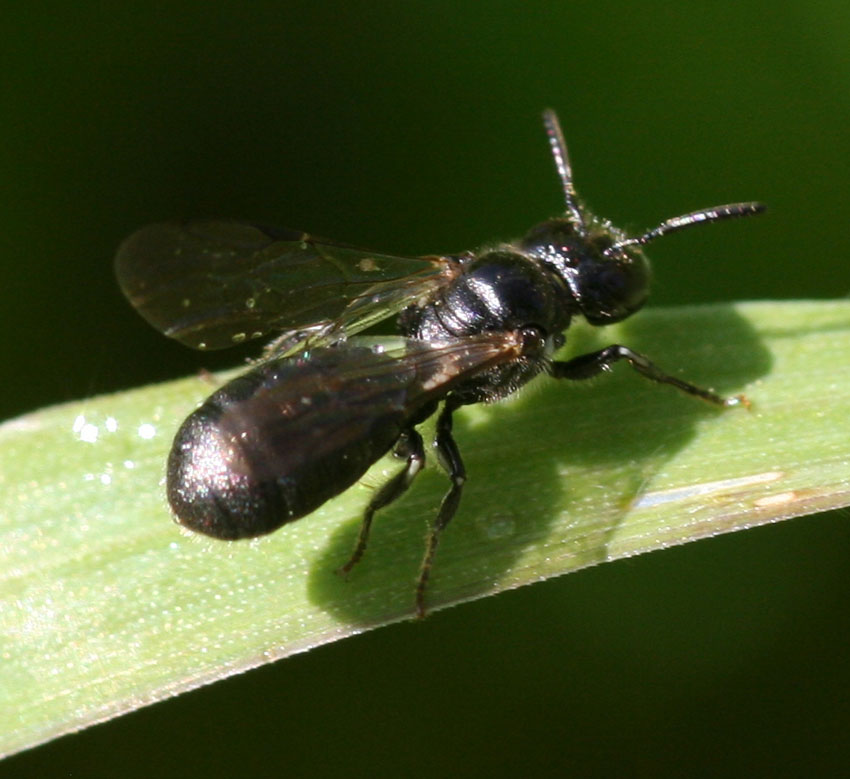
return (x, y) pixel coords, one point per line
(106, 605)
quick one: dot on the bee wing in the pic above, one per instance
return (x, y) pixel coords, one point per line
(368, 383)
(212, 284)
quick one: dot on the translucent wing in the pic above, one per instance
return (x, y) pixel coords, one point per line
(353, 387)
(212, 284)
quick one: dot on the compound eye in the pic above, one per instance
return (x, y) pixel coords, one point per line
(614, 289)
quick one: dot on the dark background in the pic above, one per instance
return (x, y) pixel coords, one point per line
(414, 127)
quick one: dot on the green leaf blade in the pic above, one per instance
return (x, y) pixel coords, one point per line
(106, 605)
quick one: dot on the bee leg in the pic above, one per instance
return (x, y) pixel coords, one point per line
(409, 446)
(450, 459)
(586, 366)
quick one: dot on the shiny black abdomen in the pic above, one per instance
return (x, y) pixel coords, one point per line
(276, 443)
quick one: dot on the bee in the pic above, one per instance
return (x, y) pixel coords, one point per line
(309, 419)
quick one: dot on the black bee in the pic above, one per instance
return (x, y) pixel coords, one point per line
(309, 420)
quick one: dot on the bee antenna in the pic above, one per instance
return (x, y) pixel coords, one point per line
(716, 214)
(562, 163)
